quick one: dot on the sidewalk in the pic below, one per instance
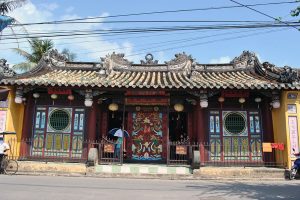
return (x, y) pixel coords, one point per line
(150, 171)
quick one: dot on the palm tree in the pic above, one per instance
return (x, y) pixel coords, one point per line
(5, 7)
(9, 5)
(38, 48)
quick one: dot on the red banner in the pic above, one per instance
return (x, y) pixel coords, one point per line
(234, 93)
(59, 91)
(279, 146)
(145, 93)
(147, 101)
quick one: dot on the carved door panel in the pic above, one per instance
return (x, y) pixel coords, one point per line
(147, 136)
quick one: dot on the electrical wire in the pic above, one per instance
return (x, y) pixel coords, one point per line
(246, 6)
(161, 12)
(155, 29)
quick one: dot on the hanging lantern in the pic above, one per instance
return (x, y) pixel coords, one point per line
(276, 104)
(203, 99)
(88, 102)
(113, 107)
(221, 99)
(257, 99)
(36, 95)
(204, 103)
(54, 96)
(19, 95)
(178, 107)
(242, 100)
(18, 100)
(71, 97)
(275, 99)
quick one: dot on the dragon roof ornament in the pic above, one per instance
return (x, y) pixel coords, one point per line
(5, 71)
(288, 75)
(115, 61)
(54, 58)
(283, 75)
(181, 62)
(245, 60)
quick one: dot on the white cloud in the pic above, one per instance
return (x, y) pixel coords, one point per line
(50, 6)
(69, 9)
(87, 49)
(223, 59)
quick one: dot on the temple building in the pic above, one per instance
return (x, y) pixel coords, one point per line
(180, 111)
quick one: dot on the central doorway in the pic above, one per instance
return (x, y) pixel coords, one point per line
(148, 133)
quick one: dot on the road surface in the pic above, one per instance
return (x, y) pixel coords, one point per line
(21, 187)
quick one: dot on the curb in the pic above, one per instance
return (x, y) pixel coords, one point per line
(146, 176)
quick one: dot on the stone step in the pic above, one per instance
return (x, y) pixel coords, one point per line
(143, 169)
(240, 172)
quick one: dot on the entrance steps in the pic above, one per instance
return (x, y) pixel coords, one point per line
(144, 169)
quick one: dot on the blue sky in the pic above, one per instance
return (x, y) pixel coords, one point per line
(280, 47)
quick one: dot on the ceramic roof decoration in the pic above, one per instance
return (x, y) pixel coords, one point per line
(114, 71)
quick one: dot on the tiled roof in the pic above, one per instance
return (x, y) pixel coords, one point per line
(182, 72)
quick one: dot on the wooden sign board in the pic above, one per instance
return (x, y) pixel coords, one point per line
(267, 147)
(181, 150)
(109, 148)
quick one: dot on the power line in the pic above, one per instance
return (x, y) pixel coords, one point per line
(166, 43)
(163, 12)
(246, 6)
(118, 38)
(145, 21)
(251, 25)
(208, 42)
(155, 29)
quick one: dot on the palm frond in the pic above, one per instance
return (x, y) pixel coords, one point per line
(24, 67)
(23, 53)
(9, 5)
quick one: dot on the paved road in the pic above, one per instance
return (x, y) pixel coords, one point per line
(85, 188)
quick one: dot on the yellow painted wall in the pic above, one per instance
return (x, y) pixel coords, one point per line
(14, 123)
(281, 126)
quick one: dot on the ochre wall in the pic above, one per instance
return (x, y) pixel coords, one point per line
(281, 127)
(14, 123)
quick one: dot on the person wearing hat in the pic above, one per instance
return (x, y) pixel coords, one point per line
(3, 151)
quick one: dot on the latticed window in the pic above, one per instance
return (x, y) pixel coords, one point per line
(59, 120)
(235, 123)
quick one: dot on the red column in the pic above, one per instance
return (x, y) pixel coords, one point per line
(201, 132)
(91, 124)
(26, 136)
(268, 134)
(190, 126)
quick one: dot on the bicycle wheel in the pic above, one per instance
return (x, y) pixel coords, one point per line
(11, 167)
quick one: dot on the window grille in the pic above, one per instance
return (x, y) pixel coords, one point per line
(59, 120)
(235, 123)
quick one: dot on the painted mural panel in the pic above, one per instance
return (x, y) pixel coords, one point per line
(147, 136)
(294, 137)
(2, 120)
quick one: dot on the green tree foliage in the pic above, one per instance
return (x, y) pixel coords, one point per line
(296, 11)
(38, 49)
(7, 6)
